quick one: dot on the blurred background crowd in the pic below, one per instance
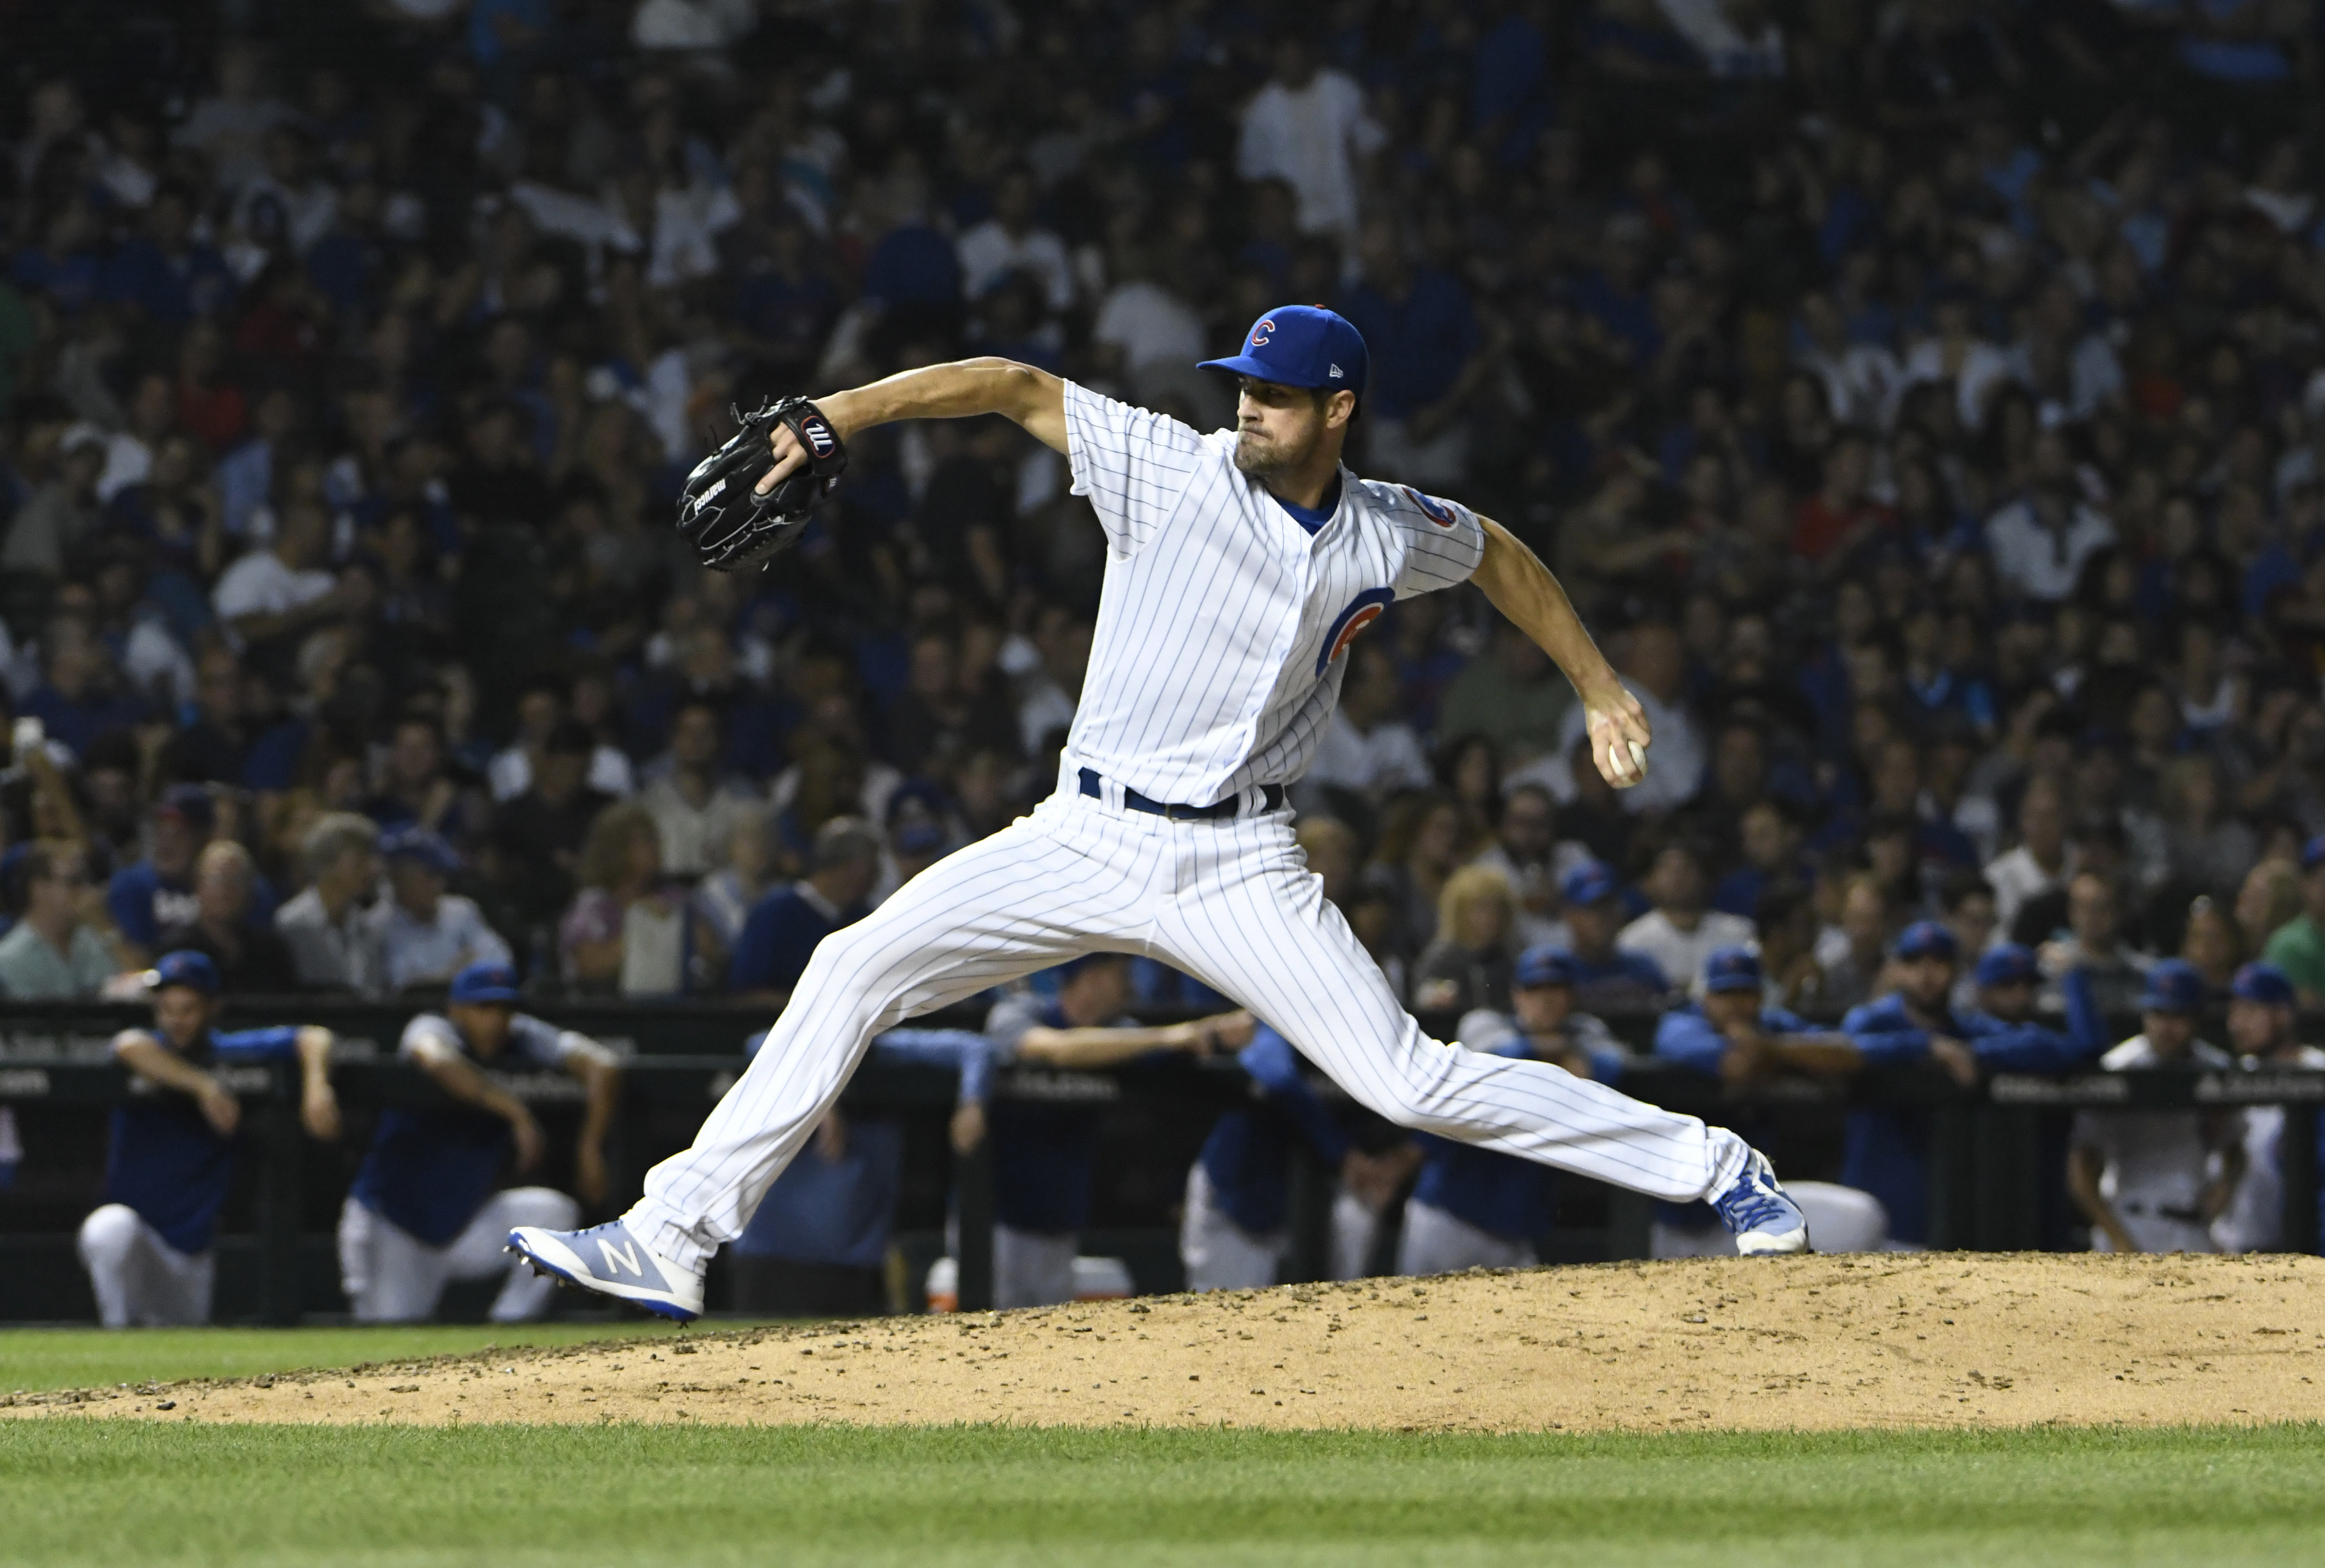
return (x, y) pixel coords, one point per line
(1923, 400)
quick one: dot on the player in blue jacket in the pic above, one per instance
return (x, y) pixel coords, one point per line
(1887, 1146)
(1473, 1207)
(1234, 1236)
(1045, 1152)
(1733, 1036)
(147, 1244)
(426, 1208)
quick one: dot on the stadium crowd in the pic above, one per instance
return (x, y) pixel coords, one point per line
(1925, 402)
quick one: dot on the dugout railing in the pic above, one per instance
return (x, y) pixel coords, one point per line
(1993, 1153)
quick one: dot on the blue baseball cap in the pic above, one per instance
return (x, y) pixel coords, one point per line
(2173, 986)
(190, 803)
(1927, 939)
(1734, 967)
(1592, 882)
(423, 844)
(2262, 982)
(2008, 964)
(1544, 965)
(184, 968)
(1301, 346)
(484, 982)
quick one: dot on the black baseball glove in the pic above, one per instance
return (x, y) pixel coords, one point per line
(729, 525)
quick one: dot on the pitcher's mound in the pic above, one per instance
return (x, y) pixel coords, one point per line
(1883, 1340)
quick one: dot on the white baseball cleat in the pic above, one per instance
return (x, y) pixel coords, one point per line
(608, 1259)
(1760, 1213)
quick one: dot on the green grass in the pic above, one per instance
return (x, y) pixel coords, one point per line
(74, 1491)
(93, 1357)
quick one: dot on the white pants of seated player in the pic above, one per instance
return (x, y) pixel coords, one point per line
(1219, 1254)
(139, 1280)
(392, 1277)
(1030, 1269)
(1435, 1242)
(1230, 903)
(1841, 1220)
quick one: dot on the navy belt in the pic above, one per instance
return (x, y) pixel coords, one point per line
(1094, 788)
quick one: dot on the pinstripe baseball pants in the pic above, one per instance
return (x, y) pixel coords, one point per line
(1231, 903)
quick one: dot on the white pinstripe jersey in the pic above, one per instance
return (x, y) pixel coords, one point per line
(1222, 626)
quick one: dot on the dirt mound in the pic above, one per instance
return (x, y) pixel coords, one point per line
(1939, 1339)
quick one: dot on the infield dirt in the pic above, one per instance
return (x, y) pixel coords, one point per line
(1882, 1340)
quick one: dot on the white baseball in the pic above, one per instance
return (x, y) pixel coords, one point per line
(1638, 758)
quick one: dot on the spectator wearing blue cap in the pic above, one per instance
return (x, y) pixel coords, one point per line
(2297, 948)
(2261, 1027)
(1607, 978)
(426, 932)
(1681, 932)
(1045, 1152)
(2155, 1181)
(170, 1159)
(1886, 1147)
(426, 1207)
(1472, 1208)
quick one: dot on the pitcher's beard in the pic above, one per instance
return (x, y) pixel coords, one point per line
(1257, 460)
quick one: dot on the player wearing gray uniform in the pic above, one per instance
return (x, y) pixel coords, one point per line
(1239, 567)
(2154, 1181)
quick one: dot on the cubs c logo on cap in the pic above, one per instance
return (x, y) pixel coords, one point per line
(1437, 512)
(1363, 611)
(1264, 330)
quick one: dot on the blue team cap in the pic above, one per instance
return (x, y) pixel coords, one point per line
(1301, 346)
(423, 844)
(184, 968)
(2313, 853)
(1544, 965)
(1731, 968)
(1592, 882)
(1927, 939)
(2007, 965)
(2262, 982)
(484, 982)
(2173, 986)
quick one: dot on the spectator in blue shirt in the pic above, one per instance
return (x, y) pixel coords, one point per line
(165, 274)
(1420, 339)
(147, 1244)
(782, 931)
(157, 892)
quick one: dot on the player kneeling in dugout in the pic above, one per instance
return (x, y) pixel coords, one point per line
(147, 1246)
(426, 1208)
